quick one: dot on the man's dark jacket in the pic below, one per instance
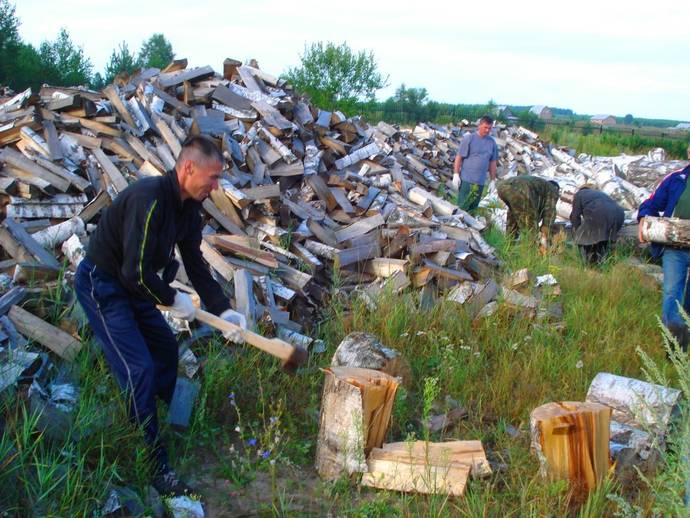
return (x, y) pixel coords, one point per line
(596, 217)
(136, 237)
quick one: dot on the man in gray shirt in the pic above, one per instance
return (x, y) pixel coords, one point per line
(477, 155)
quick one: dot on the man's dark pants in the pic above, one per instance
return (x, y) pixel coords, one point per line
(595, 253)
(138, 345)
(469, 196)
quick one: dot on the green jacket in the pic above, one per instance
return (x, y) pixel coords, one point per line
(532, 200)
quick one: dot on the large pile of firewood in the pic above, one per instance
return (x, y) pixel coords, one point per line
(307, 196)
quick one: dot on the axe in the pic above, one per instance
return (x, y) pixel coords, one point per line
(291, 356)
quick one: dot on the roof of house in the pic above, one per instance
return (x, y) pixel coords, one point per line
(538, 108)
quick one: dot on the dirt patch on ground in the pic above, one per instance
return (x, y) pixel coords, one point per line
(296, 491)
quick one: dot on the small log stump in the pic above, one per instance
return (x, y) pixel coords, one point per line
(355, 413)
(571, 440)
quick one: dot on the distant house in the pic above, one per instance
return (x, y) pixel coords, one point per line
(505, 113)
(683, 126)
(603, 120)
(543, 112)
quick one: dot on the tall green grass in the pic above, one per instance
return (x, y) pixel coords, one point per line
(610, 143)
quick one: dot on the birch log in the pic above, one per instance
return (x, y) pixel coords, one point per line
(667, 231)
(635, 403)
(57, 234)
(364, 350)
(356, 156)
(420, 197)
(571, 440)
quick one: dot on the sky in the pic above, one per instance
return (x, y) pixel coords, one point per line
(594, 57)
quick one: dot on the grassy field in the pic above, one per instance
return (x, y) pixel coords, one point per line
(251, 444)
(610, 143)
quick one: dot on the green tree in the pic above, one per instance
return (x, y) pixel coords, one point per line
(335, 77)
(28, 69)
(64, 62)
(412, 102)
(97, 81)
(156, 52)
(628, 119)
(121, 60)
(9, 43)
(491, 108)
(528, 119)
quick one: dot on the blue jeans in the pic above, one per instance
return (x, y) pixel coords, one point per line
(139, 347)
(676, 263)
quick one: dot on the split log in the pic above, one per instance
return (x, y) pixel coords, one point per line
(571, 440)
(221, 218)
(359, 228)
(19, 161)
(217, 261)
(262, 192)
(420, 197)
(80, 183)
(244, 295)
(356, 156)
(416, 477)
(29, 243)
(355, 414)
(306, 256)
(55, 339)
(166, 80)
(384, 267)
(232, 104)
(424, 467)
(94, 207)
(8, 186)
(357, 254)
(518, 280)
(113, 173)
(469, 453)
(229, 244)
(667, 231)
(114, 98)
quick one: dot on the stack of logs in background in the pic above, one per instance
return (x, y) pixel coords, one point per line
(305, 194)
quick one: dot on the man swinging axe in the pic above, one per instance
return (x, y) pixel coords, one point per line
(119, 288)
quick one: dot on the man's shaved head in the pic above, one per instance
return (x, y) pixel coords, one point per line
(199, 149)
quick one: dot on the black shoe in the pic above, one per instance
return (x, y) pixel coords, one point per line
(167, 483)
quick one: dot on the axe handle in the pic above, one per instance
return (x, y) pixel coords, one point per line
(273, 346)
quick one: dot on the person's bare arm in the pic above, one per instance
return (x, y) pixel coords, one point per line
(492, 169)
(640, 237)
(457, 165)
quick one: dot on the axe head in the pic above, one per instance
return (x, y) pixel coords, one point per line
(298, 357)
